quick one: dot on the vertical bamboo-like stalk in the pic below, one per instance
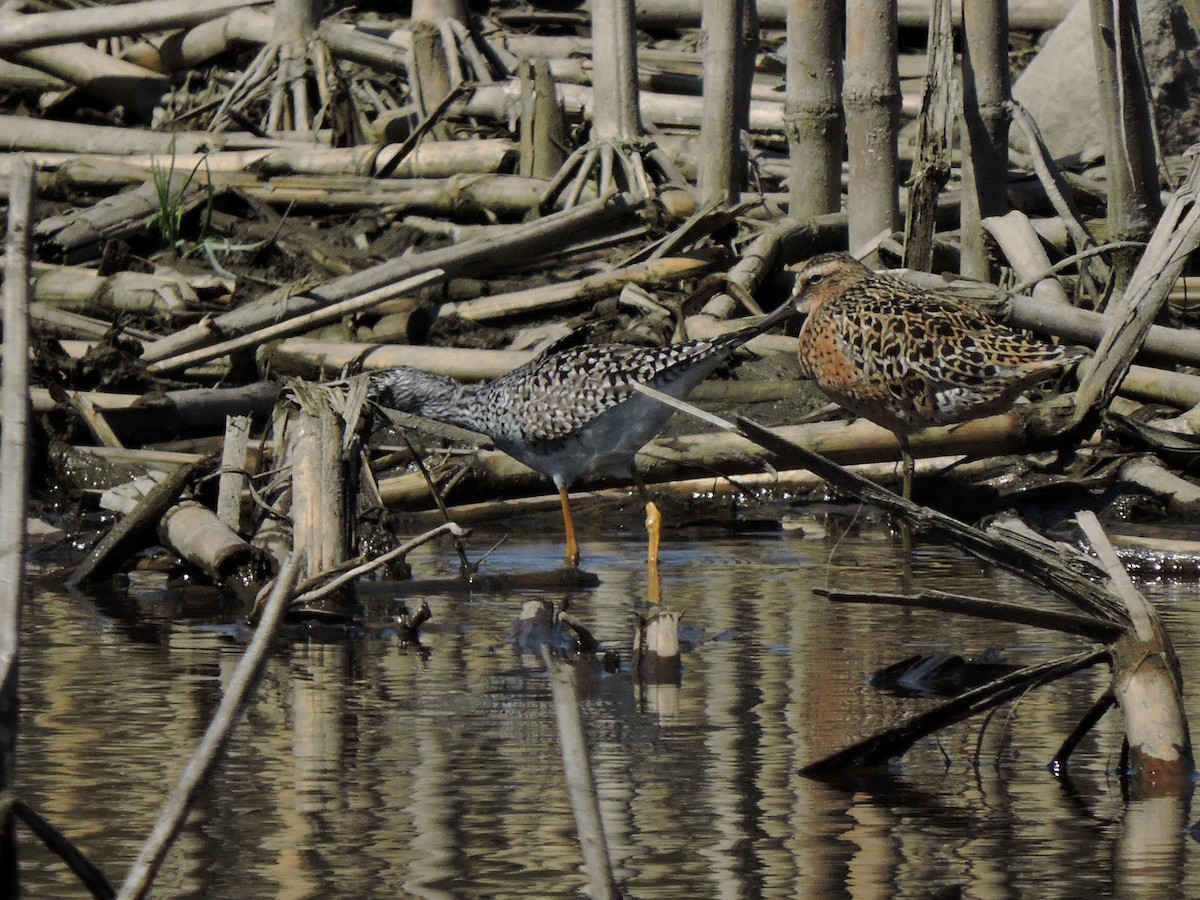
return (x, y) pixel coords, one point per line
(233, 471)
(549, 129)
(935, 129)
(872, 100)
(525, 120)
(13, 497)
(986, 116)
(433, 77)
(722, 167)
(615, 116)
(320, 514)
(295, 23)
(1129, 146)
(812, 112)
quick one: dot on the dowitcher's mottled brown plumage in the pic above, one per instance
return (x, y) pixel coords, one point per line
(907, 358)
(571, 411)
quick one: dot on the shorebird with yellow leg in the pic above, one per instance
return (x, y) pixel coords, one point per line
(572, 411)
(907, 358)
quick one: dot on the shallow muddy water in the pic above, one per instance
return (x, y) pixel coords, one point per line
(367, 769)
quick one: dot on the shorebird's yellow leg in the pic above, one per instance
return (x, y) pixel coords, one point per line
(572, 557)
(653, 519)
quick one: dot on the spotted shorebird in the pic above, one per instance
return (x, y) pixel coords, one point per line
(907, 358)
(571, 411)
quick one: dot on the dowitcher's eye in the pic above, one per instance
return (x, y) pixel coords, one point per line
(815, 278)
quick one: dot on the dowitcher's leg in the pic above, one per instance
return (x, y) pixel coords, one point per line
(569, 526)
(653, 518)
(909, 465)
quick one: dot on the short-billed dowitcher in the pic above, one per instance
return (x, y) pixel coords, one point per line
(571, 411)
(907, 358)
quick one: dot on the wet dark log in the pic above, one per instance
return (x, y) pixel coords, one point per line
(80, 235)
(1146, 672)
(1103, 704)
(1060, 568)
(332, 581)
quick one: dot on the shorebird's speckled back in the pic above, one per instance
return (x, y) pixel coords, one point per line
(569, 412)
(906, 358)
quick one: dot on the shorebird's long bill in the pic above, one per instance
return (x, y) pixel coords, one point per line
(775, 317)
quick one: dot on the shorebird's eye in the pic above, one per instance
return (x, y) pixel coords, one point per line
(815, 278)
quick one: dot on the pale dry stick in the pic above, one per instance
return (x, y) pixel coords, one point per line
(1175, 237)
(1023, 249)
(13, 491)
(298, 323)
(108, 20)
(585, 803)
(451, 528)
(154, 852)
(481, 255)
(550, 297)
(1147, 682)
(233, 475)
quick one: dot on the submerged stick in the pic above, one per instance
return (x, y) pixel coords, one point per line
(212, 745)
(998, 610)
(885, 745)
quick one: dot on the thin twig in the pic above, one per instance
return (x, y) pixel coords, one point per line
(358, 571)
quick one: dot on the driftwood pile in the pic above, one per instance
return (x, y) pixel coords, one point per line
(237, 199)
